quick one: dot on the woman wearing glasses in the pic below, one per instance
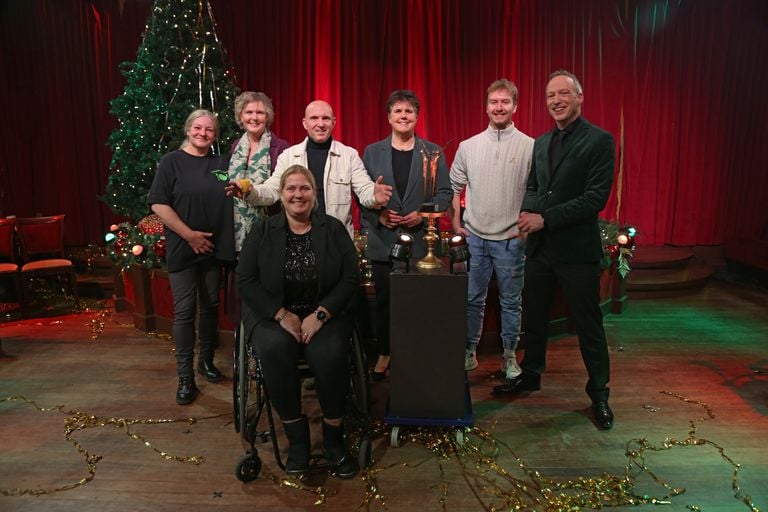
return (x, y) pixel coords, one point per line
(188, 196)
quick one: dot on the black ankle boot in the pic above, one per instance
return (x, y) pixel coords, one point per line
(297, 433)
(187, 391)
(336, 451)
(209, 372)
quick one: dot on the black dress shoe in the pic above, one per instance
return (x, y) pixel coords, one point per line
(519, 384)
(603, 414)
(187, 391)
(209, 371)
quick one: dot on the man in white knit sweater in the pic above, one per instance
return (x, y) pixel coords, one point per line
(493, 166)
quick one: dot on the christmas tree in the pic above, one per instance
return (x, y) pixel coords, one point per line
(180, 66)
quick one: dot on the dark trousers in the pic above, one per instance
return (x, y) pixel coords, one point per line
(327, 356)
(580, 283)
(195, 287)
(381, 271)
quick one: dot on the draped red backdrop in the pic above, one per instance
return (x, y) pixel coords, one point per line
(681, 85)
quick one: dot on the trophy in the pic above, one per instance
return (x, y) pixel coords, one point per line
(429, 208)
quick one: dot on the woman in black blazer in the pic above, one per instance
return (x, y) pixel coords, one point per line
(297, 275)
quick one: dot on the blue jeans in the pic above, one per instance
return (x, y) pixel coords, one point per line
(507, 259)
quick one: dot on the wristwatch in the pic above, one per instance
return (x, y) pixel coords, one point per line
(321, 315)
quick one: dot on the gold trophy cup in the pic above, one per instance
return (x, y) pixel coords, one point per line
(429, 209)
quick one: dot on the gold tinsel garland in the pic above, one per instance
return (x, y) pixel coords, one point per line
(497, 489)
(475, 452)
(493, 485)
(80, 420)
(476, 457)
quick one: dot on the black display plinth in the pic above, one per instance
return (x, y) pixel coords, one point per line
(427, 341)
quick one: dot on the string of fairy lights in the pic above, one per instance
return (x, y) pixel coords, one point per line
(180, 65)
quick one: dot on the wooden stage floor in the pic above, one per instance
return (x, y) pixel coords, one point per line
(674, 362)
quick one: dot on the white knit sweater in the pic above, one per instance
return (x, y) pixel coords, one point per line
(494, 165)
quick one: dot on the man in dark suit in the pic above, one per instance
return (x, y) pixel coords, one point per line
(569, 184)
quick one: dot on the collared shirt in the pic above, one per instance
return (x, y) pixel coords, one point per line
(557, 141)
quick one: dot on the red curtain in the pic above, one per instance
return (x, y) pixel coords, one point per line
(679, 84)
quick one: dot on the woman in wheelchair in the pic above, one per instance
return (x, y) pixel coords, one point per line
(297, 276)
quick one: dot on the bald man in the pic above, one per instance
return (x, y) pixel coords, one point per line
(337, 168)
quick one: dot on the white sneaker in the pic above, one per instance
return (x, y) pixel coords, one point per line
(470, 360)
(509, 365)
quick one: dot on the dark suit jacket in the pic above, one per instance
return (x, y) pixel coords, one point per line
(378, 162)
(570, 193)
(260, 275)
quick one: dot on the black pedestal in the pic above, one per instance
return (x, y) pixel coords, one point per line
(428, 322)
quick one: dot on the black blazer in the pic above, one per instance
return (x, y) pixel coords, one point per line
(377, 159)
(260, 275)
(570, 193)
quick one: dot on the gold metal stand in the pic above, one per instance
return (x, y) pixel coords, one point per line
(430, 261)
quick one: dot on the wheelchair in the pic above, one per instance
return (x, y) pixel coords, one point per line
(252, 408)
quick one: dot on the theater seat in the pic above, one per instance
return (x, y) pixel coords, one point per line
(42, 252)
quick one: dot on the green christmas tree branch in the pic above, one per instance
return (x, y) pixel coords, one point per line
(180, 66)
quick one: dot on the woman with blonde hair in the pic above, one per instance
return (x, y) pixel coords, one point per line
(188, 195)
(254, 155)
(298, 274)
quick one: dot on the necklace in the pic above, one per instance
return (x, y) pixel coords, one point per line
(407, 146)
(302, 231)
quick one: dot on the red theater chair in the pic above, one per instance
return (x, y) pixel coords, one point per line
(42, 252)
(8, 268)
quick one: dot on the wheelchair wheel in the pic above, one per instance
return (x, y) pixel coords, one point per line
(361, 398)
(242, 384)
(364, 452)
(237, 369)
(249, 467)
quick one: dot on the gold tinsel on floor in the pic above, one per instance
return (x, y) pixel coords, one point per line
(474, 451)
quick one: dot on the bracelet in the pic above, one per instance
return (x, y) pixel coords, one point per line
(280, 318)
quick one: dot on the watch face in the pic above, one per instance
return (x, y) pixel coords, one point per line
(320, 315)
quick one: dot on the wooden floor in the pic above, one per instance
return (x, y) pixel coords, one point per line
(674, 361)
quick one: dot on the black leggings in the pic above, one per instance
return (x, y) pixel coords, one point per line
(327, 356)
